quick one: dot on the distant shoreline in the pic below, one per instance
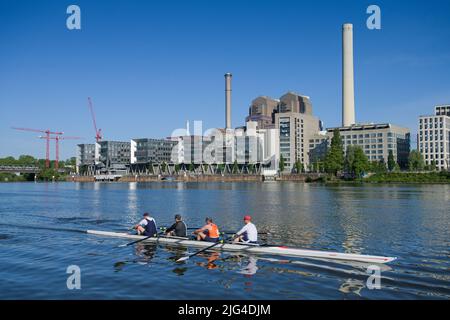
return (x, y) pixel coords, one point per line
(314, 178)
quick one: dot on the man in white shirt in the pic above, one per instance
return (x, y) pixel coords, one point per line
(248, 233)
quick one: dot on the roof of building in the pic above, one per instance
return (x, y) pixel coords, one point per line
(357, 127)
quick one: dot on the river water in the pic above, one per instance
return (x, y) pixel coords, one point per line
(411, 222)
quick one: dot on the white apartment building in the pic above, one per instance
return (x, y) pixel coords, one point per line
(433, 139)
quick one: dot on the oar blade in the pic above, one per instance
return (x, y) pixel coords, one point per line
(183, 259)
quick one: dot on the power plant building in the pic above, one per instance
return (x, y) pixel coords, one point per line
(262, 110)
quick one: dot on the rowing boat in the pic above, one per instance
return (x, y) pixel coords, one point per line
(251, 249)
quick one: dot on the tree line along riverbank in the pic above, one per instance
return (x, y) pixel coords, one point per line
(42, 174)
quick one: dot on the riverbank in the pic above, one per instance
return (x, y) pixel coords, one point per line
(304, 177)
(394, 178)
(389, 177)
(409, 177)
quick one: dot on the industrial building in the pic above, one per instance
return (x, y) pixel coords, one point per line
(434, 137)
(262, 110)
(296, 129)
(377, 140)
(292, 116)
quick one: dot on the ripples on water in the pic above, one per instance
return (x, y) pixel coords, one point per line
(410, 222)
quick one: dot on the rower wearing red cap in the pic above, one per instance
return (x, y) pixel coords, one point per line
(248, 233)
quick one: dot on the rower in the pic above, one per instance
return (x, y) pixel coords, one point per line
(147, 226)
(209, 232)
(178, 229)
(248, 233)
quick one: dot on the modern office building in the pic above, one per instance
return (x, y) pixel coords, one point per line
(103, 157)
(152, 151)
(87, 157)
(434, 137)
(262, 110)
(114, 157)
(377, 140)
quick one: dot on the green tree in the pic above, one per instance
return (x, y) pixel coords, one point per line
(415, 161)
(48, 175)
(433, 165)
(71, 162)
(360, 163)
(334, 160)
(191, 167)
(381, 166)
(391, 161)
(298, 166)
(281, 164)
(26, 160)
(349, 159)
(356, 161)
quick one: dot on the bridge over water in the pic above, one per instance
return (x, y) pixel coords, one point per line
(20, 169)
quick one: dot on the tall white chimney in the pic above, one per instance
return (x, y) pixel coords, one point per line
(348, 89)
(228, 77)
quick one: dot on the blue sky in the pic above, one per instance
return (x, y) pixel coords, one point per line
(149, 66)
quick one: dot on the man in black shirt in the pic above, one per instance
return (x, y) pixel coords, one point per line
(178, 229)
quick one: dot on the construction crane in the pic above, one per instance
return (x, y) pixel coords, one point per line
(47, 137)
(98, 132)
(57, 139)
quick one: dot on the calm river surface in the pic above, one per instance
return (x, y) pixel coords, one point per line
(411, 222)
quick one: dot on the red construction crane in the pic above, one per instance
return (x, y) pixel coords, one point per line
(57, 138)
(98, 132)
(47, 137)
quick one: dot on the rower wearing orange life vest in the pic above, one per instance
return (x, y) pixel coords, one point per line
(209, 232)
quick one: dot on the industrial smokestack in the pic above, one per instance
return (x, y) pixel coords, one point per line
(228, 77)
(348, 89)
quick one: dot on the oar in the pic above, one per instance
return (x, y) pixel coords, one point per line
(200, 251)
(228, 232)
(137, 241)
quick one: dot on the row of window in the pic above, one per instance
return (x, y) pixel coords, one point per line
(437, 151)
(431, 120)
(437, 138)
(435, 157)
(441, 162)
(436, 144)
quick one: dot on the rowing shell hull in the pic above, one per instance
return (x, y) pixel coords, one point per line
(268, 250)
